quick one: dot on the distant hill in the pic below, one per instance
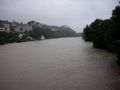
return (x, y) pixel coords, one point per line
(20, 32)
(52, 31)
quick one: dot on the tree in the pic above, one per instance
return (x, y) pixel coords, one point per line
(116, 22)
(105, 34)
(116, 34)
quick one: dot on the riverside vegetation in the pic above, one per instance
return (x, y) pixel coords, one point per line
(37, 31)
(105, 34)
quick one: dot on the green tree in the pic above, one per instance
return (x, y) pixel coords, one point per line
(116, 34)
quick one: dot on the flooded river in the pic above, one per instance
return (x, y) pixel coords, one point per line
(57, 64)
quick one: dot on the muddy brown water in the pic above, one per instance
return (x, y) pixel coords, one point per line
(57, 64)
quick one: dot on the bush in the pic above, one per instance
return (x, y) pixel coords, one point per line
(2, 40)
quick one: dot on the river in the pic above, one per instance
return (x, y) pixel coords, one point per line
(57, 64)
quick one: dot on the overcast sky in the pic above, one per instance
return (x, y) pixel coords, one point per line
(74, 13)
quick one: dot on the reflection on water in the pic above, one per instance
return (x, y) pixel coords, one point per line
(57, 64)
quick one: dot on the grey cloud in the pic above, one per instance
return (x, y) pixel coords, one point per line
(75, 13)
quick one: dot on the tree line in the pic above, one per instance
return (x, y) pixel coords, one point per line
(105, 34)
(51, 31)
(37, 31)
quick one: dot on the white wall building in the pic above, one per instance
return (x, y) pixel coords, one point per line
(22, 28)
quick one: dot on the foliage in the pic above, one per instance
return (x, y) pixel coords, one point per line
(105, 34)
(3, 37)
(38, 30)
(48, 32)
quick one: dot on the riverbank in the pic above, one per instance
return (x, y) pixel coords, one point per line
(105, 34)
(20, 40)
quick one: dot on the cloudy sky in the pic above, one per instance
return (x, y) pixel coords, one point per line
(74, 13)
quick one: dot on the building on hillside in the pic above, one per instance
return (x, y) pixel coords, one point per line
(2, 28)
(53, 29)
(5, 26)
(22, 28)
(27, 27)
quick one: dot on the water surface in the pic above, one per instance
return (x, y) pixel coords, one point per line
(57, 64)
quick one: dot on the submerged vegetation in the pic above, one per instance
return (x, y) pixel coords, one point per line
(105, 34)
